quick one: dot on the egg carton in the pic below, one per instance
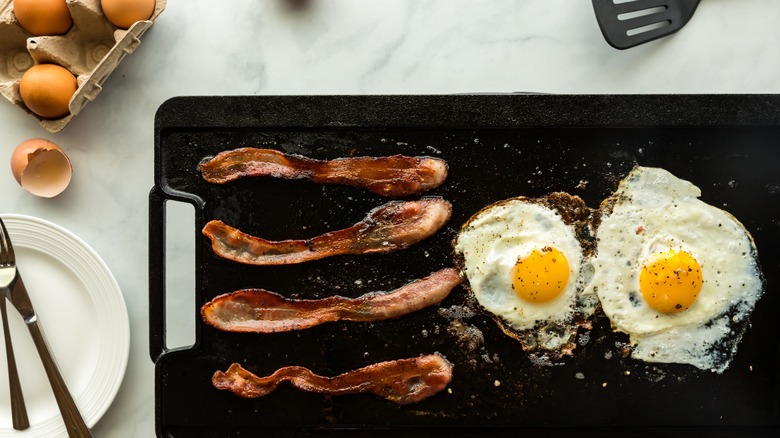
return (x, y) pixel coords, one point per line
(91, 50)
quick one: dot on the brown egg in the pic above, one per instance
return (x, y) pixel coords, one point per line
(123, 13)
(43, 17)
(41, 167)
(46, 90)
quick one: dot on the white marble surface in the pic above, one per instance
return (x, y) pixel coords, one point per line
(201, 47)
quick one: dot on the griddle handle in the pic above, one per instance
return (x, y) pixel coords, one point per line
(157, 325)
(158, 199)
(157, 269)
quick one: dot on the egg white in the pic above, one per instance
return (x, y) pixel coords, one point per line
(653, 211)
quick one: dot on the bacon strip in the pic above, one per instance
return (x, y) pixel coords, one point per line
(393, 226)
(392, 176)
(261, 311)
(401, 381)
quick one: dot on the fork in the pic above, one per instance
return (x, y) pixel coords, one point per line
(17, 294)
(7, 274)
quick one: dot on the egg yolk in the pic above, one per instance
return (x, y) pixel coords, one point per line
(670, 281)
(540, 276)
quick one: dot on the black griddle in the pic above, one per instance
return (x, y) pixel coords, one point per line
(497, 146)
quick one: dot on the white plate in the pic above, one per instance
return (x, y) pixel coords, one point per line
(84, 317)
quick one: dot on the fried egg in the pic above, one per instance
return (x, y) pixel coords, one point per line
(524, 260)
(679, 276)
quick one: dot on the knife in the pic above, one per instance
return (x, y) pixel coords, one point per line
(74, 423)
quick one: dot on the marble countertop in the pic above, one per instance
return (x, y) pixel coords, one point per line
(246, 47)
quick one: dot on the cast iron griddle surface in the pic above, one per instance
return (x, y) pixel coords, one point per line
(497, 147)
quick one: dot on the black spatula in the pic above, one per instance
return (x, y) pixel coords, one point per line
(628, 23)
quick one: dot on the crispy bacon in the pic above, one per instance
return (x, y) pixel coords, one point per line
(391, 176)
(401, 381)
(261, 311)
(393, 226)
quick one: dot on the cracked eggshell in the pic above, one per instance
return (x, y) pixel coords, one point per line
(41, 167)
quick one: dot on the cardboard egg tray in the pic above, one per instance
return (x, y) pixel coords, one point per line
(91, 50)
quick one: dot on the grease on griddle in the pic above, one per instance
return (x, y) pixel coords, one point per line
(469, 338)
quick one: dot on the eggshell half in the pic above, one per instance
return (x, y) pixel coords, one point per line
(41, 167)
